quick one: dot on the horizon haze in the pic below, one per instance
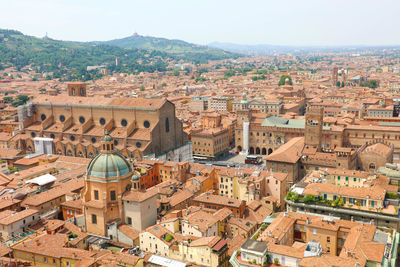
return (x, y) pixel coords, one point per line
(285, 23)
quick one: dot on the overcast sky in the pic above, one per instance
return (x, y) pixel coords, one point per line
(280, 22)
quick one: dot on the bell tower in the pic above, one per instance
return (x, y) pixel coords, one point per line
(313, 127)
(76, 88)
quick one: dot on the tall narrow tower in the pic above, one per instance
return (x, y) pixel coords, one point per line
(313, 127)
(335, 76)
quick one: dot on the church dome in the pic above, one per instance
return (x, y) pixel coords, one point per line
(108, 163)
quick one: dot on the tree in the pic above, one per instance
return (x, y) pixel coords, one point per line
(176, 72)
(8, 99)
(309, 198)
(258, 77)
(141, 88)
(23, 98)
(283, 79)
(276, 261)
(371, 84)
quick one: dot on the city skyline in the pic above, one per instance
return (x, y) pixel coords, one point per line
(309, 23)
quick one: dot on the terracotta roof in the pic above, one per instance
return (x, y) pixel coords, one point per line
(289, 152)
(129, 231)
(139, 196)
(8, 217)
(217, 199)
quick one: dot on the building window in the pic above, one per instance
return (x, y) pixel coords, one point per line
(102, 121)
(62, 118)
(372, 166)
(52, 136)
(113, 196)
(314, 231)
(96, 194)
(129, 219)
(94, 219)
(328, 239)
(167, 125)
(124, 122)
(146, 124)
(138, 144)
(43, 117)
(82, 119)
(72, 138)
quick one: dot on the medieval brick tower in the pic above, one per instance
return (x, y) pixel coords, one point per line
(313, 127)
(76, 88)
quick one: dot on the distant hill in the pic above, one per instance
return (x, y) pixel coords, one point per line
(179, 48)
(69, 60)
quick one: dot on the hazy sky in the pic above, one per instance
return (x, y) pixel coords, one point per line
(284, 22)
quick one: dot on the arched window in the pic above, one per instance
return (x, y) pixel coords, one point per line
(372, 166)
(167, 125)
(82, 92)
(73, 91)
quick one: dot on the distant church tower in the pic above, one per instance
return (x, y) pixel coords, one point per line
(313, 128)
(76, 88)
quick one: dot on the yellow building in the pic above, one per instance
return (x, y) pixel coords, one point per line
(50, 250)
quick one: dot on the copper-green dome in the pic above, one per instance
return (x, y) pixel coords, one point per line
(107, 165)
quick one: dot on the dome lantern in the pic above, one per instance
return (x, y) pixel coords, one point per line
(109, 163)
(107, 143)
